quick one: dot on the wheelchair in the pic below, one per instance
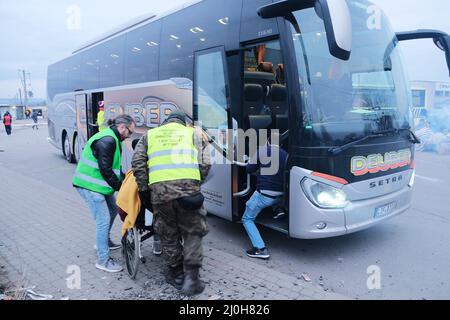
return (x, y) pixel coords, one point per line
(132, 242)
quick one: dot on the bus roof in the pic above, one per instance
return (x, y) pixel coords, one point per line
(133, 24)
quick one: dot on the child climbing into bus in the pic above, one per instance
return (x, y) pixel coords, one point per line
(269, 191)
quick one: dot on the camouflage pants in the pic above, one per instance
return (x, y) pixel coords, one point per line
(181, 233)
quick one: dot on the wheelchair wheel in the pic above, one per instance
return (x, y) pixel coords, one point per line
(130, 250)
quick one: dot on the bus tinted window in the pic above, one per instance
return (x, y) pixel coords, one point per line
(73, 74)
(142, 53)
(210, 98)
(52, 80)
(112, 62)
(90, 66)
(201, 26)
(62, 76)
(176, 48)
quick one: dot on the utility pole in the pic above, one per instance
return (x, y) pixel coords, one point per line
(20, 97)
(26, 85)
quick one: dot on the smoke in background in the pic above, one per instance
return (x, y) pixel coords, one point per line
(439, 119)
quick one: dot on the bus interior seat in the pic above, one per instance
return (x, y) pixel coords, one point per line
(276, 100)
(282, 122)
(253, 99)
(259, 121)
(265, 79)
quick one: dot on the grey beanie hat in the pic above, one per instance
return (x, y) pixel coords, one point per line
(177, 114)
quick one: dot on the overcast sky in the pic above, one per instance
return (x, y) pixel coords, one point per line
(36, 33)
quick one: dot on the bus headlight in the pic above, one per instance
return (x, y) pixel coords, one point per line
(323, 195)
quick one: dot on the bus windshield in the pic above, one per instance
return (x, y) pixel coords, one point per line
(347, 100)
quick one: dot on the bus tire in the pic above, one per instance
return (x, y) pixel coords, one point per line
(67, 150)
(77, 150)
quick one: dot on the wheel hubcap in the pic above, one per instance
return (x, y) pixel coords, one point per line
(67, 147)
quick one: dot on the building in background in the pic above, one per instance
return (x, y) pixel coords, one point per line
(17, 112)
(431, 107)
(430, 98)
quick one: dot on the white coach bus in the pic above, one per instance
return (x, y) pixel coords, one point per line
(328, 74)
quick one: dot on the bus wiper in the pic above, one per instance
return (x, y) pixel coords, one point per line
(412, 136)
(338, 150)
(334, 151)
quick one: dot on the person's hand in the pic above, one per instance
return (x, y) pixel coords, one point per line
(145, 197)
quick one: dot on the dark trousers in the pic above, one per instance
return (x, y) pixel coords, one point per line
(8, 130)
(181, 233)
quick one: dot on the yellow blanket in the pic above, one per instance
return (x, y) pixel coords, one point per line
(128, 200)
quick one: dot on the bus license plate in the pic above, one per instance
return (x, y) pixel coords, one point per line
(385, 210)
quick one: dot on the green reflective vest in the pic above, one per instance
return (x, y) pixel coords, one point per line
(88, 174)
(172, 154)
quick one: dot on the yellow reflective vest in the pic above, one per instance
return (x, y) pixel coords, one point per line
(172, 154)
(101, 121)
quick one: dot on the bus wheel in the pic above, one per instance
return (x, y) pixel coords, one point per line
(67, 150)
(77, 149)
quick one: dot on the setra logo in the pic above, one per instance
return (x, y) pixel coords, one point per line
(374, 163)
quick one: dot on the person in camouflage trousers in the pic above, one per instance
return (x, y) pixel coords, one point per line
(175, 196)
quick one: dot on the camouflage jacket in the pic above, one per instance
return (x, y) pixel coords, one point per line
(170, 190)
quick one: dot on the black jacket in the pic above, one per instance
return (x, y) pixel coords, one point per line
(104, 150)
(268, 182)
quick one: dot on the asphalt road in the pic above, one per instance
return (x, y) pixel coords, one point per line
(410, 250)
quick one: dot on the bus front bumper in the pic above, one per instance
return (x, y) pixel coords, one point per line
(307, 221)
(363, 214)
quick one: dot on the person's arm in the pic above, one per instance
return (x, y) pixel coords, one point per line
(204, 158)
(253, 163)
(104, 150)
(139, 164)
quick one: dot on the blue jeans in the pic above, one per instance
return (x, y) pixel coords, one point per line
(104, 211)
(254, 206)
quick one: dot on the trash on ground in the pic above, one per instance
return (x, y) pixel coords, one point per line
(38, 296)
(306, 277)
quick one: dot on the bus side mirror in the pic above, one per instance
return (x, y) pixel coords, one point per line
(338, 26)
(443, 43)
(334, 13)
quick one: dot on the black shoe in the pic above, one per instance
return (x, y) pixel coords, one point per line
(192, 284)
(258, 253)
(113, 246)
(175, 276)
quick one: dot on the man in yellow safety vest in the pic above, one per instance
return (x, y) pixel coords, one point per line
(101, 116)
(169, 164)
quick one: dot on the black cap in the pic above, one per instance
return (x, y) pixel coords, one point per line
(177, 114)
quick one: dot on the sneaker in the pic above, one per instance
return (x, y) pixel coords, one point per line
(112, 245)
(109, 266)
(157, 248)
(258, 253)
